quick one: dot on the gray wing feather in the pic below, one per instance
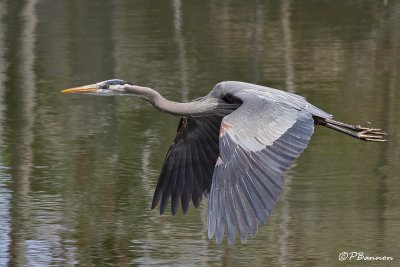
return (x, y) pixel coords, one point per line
(258, 143)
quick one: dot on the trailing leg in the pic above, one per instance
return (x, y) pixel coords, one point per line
(356, 131)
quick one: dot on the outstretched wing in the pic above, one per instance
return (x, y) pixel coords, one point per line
(257, 143)
(189, 164)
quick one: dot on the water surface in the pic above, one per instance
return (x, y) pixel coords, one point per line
(77, 173)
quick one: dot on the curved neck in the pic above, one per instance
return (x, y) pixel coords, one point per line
(201, 106)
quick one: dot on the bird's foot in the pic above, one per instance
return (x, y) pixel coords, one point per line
(370, 134)
(359, 131)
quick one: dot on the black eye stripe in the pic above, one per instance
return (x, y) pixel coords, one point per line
(108, 83)
(116, 82)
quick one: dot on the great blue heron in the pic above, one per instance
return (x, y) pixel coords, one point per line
(233, 146)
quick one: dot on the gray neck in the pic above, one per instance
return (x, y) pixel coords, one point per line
(201, 106)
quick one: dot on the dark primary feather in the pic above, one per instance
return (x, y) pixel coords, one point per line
(189, 164)
(258, 142)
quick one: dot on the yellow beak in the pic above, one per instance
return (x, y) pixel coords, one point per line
(92, 88)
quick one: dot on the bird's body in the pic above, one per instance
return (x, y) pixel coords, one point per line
(232, 146)
(243, 90)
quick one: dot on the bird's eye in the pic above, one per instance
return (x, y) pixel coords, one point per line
(105, 86)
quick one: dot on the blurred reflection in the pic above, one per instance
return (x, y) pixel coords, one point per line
(285, 204)
(284, 223)
(180, 41)
(287, 41)
(22, 131)
(257, 40)
(5, 193)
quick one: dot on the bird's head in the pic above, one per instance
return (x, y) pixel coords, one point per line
(109, 87)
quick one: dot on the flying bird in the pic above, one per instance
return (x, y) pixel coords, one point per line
(232, 146)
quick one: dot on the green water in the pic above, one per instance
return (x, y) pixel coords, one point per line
(77, 173)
